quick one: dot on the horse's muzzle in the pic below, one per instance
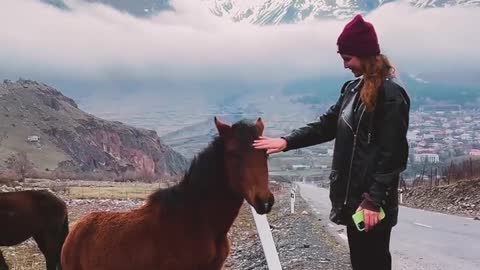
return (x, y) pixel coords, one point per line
(264, 207)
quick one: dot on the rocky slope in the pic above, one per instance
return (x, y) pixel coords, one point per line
(459, 198)
(38, 120)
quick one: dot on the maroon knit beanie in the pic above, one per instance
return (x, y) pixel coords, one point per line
(358, 38)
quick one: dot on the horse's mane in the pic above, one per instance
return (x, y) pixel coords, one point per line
(206, 173)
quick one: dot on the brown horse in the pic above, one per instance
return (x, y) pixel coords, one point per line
(185, 226)
(34, 213)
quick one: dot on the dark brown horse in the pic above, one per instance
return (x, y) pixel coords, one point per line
(34, 213)
(183, 227)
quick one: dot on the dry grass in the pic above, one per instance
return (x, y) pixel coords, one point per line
(113, 192)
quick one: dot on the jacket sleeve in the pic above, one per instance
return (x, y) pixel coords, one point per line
(317, 132)
(391, 133)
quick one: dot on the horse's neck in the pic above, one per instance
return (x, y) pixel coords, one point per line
(220, 210)
(208, 192)
(213, 202)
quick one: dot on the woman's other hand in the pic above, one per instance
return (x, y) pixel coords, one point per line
(370, 218)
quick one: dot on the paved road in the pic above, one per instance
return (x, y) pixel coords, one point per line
(421, 240)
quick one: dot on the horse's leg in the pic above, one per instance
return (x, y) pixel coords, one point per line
(222, 254)
(50, 243)
(3, 263)
(47, 243)
(61, 240)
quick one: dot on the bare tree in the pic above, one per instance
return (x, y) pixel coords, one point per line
(20, 164)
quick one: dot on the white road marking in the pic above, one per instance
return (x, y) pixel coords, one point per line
(266, 239)
(423, 225)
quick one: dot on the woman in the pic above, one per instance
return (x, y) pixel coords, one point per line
(369, 123)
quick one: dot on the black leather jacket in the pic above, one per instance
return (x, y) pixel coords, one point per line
(371, 149)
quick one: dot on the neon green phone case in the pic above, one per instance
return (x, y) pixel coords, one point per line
(359, 221)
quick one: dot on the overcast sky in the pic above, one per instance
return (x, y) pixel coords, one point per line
(95, 42)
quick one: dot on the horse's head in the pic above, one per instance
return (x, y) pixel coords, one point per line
(246, 168)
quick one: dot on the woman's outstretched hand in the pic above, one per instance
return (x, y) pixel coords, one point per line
(272, 145)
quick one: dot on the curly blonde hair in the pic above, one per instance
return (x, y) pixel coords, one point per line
(375, 70)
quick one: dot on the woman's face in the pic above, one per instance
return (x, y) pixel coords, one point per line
(353, 63)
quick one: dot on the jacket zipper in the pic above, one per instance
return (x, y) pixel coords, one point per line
(353, 155)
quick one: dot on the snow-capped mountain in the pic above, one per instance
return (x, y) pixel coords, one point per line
(443, 3)
(289, 11)
(264, 12)
(293, 11)
(140, 8)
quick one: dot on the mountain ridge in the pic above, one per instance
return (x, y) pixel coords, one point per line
(40, 121)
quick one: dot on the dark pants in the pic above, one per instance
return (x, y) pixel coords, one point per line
(370, 250)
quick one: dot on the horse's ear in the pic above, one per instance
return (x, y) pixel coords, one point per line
(260, 126)
(223, 129)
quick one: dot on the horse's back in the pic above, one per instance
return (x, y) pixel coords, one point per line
(26, 213)
(34, 206)
(33, 199)
(16, 223)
